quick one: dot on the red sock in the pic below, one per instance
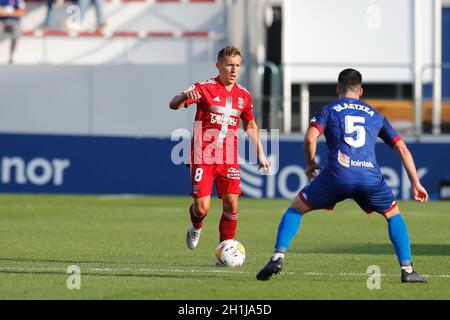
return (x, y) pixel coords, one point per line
(228, 225)
(197, 221)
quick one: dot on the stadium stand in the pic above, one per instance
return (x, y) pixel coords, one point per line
(136, 28)
(137, 15)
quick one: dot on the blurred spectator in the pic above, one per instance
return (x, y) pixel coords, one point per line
(11, 12)
(50, 11)
(84, 4)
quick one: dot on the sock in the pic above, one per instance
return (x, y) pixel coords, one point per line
(408, 269)
(197, 221)
(278, 255)
(287, 229)
(228, 225)
(398, 233)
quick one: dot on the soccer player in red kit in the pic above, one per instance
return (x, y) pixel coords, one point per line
(221, 103)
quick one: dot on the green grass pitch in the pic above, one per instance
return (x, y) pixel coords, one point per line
(134, 248)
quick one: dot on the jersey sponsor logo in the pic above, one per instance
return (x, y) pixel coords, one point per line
(223, 117)
(216, 99)
(346, 161)
(233, 174)
(343, 159)
(223, 120)
(358, 163)
(354, 106)
(313, 119)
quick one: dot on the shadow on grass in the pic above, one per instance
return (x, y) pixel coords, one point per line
(107, 263)
(53, 260)
(182, 276)
(385, 249)
(213, 272)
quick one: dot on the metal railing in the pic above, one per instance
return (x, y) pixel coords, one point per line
(436, 97)
(273, 98)
(280, 103)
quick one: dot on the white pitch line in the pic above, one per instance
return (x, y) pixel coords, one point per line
(345, 274)
(367, 274)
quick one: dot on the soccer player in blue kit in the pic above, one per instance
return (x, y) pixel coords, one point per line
(351, 128)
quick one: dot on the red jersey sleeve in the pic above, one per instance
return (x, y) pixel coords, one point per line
(247, 113)
(197, 88)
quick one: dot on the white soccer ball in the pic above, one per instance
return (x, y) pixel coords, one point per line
(230, 253)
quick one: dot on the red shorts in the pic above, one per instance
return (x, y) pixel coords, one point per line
(226, 176)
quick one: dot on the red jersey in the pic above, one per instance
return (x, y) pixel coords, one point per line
(217, 121)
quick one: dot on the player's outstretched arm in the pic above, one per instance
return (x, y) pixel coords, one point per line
(310, 151)
(179, 101)
(418, 191)
(251, 128)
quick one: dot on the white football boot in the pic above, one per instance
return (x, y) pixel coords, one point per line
(193, 236)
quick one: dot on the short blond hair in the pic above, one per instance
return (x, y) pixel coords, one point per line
(228, 51)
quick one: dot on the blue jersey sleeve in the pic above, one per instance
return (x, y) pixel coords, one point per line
(319, 119)
(388, 133)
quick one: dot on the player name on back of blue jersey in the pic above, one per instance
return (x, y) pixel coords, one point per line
(353, 106)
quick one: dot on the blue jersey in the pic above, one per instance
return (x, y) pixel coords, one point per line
(351, 128)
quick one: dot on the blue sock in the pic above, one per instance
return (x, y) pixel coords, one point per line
(398, 233)
(287, 229)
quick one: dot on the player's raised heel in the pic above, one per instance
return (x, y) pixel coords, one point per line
(272, 267)
(192, 237)
(412, 277)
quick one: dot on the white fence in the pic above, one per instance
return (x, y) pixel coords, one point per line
(115, 100)
(139, 32)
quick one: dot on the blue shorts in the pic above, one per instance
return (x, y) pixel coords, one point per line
(323, 193)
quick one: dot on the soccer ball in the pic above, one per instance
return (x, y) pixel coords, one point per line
(230, 253)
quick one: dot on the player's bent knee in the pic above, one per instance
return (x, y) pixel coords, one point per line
(201, 211)
(393, 211)
(201, 206)
(230, 207)
(230, 203)
(300, 205)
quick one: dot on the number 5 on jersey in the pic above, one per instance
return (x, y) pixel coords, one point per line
(350, 128)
